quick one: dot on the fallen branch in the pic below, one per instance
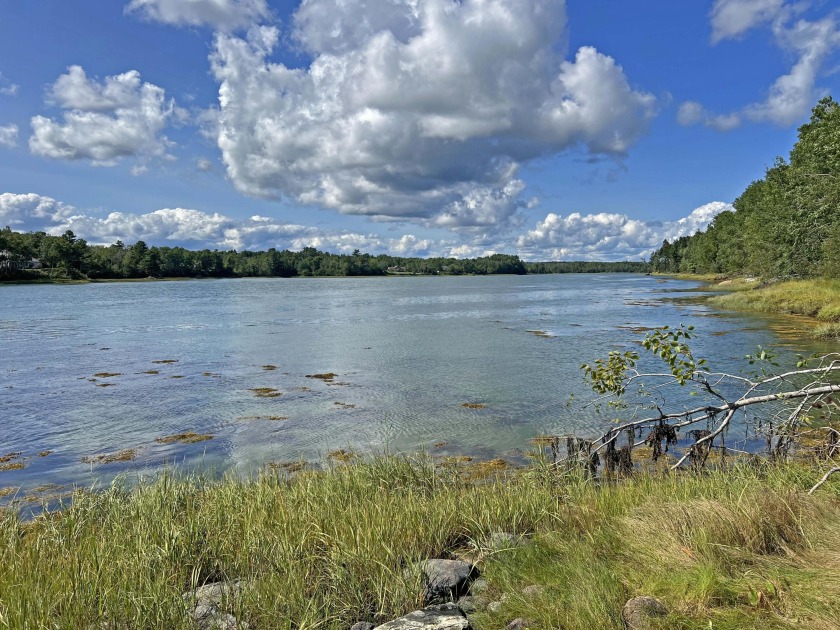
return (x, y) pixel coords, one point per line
(824, 479)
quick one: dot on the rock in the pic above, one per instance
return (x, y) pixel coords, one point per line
(473, 603)
(534, 590)
(362, 625)
(479, 586)
(639, 610)
(520, 623)
(207, 601)
(208, 617)
(494, 607)
(505, 540)
(215, 593)
(444, 580)
(441, 617)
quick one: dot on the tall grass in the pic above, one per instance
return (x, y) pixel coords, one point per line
(818, 298)
(325, 549)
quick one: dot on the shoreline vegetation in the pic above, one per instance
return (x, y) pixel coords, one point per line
(37, 257)
(741, 544)
(817, 299)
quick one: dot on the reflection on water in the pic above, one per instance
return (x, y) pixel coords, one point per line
(417, 362)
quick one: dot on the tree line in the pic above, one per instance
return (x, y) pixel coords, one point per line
(72, 257)
(786, 224)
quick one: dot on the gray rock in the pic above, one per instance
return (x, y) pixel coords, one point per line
(444, 580)
(639, 610)
(208, 617)
(362, 625)
(206, 604)
(479, 586)
(534, 590)
(473, 603)
(505, 540)
(215, 593)
(494, 607)
(520, 623)
(441, 617)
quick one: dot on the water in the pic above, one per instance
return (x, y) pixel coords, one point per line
(408, 353)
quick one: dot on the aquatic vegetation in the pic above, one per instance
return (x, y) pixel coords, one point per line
(109, 458)
(269, 368)
(539, 333)
(12, 466)
(291, 467)
(4, 492)
(439, 444)
(106, 374)
(265, 392)
(211, 374)
(165, 361)
(106, 384)
(152, 372)
(302, 389)
(341, 455)
(326, 376)
(342, 405)
(177, 376)
(44, 453)
(184, 438)
(474, 405)
(276, 418)
(10, 456)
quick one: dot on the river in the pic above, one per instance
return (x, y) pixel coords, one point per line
(407, 353)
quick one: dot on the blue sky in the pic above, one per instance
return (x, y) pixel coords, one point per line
(578, 130)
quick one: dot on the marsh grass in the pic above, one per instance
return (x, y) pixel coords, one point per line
(817, 298)
(734, 548)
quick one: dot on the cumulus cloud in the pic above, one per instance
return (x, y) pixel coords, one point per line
(602, 236)
(7, 88)
(8, 136)
(104, 121)
(731, 18)
(792, 95)
(608, 236)
(196, 229)
(220, 14)
(417, 109)
(31, 212)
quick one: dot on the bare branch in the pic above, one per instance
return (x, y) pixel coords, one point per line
(824, 479)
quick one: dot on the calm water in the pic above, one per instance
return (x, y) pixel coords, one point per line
(408, 353)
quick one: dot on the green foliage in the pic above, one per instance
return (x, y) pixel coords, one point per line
(785, 224)
(608, 376)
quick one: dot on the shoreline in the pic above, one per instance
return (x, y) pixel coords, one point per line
(816, 299)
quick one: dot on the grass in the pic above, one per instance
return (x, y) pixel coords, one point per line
(817, 298)
(736, 548)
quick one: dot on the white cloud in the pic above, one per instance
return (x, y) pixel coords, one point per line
(792, 95)
(8, 136)
(31, 212)
(602, 236)
(608, 236)
(417, 109)
(7, 88)
(104, 121)
(731, 18)
(204, 165)
(220, 14)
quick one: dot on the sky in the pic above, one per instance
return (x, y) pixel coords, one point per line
(580, 130)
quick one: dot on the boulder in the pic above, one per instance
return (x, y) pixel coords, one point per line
(362, 625)
(520, 623)
(533, 590)
(479, 586)
(440, 617)
(444, 580)
(638, 611)
(206, 606)
(473, 603)
(208, 617)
